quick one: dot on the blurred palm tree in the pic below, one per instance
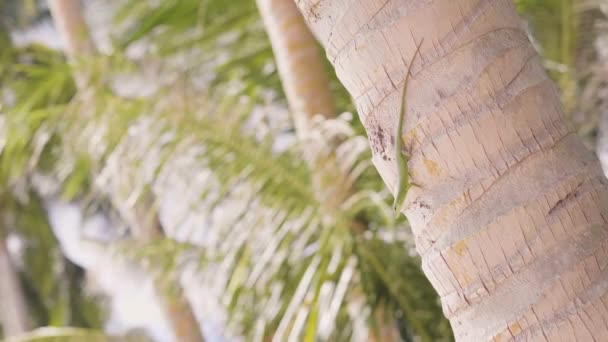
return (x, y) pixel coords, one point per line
(50, 283)
(565, 33)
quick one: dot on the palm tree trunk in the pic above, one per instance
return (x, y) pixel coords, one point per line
(147, 227)
(14, 318)
(73, 30)
(67, 16)
(602, 139)
(299, 62)
(510, 210)
(306, 85)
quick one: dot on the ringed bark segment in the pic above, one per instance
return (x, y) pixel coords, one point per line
(510, 217)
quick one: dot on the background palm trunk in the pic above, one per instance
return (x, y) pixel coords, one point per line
(68, 20)
(510, 214)
(14, 318)
(72, 28)
(144, 222)
(299, 62)
(306, 85)
(147, 228)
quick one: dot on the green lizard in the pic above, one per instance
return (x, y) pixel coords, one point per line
(403, 181)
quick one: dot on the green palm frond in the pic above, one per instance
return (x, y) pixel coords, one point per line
(282, 221)
(565, 33)
(34, 83)
(557, 38)
(222, 42)
(40, 83)
(282, 259)
(283, 239)
(51, 283)
(70, 334)
(391, 274)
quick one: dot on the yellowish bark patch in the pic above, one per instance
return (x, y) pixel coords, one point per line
(431, 167)
(515, 328)
(460, 248)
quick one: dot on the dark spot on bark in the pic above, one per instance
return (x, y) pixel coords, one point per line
(571, 195)
(313, 12)
(425, 205)
(441, 93)
(421, 204)
(377, 139)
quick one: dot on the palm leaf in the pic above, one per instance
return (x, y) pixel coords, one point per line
(67, 335)
(219, 41)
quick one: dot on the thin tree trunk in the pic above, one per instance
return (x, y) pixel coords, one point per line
(510, 212)
(14, 317)
(299, 62)
(602, 139)
(148, 228)
(306, 85)
(73, 30)
(601, 70)
(13, 309)
(67, 16)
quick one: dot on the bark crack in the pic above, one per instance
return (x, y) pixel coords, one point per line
(569, 196)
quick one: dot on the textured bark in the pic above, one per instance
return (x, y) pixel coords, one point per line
(299, 62)
(510, 214)
(13, 314)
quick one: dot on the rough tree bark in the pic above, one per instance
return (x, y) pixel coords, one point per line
(510, 215)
